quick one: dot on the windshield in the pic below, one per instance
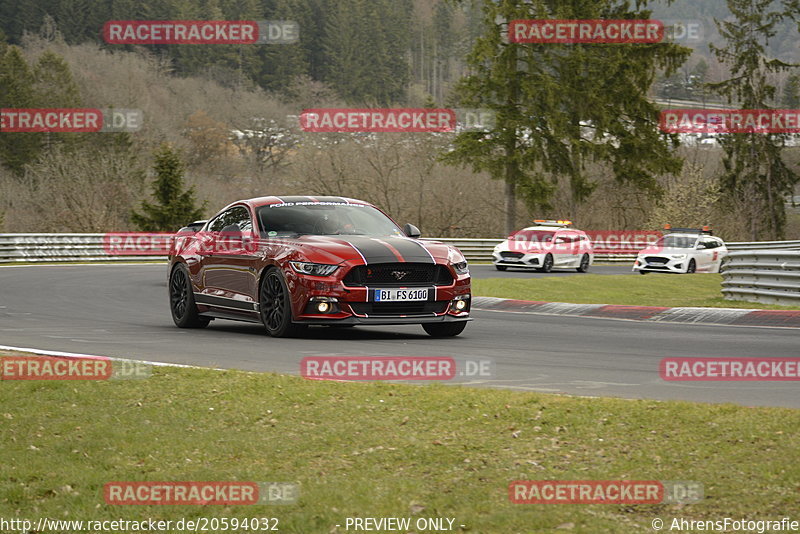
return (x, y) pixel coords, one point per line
(324, 218)
(676, 241)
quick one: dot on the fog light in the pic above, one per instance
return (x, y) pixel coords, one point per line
(461, 305)
(322, 305)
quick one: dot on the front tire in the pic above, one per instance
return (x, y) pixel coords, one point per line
(275, 306)
(691, 268)
(584, 266)
(444, 329)
(547, 264)
(181, 300)
(500, 267)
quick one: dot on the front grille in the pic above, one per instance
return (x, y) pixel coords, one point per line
(385, 275)
(399, 308)
(511, 255)
(656, 259)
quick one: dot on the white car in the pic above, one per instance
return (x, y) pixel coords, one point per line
(683, 250)
(548, 245)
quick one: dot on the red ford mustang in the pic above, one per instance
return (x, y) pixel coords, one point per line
(294, 261)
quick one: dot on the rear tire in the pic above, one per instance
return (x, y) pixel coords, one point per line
(181, 300)
(500, 267)
(642, 272)
(584, 266)
(275, 306)
(444, 329)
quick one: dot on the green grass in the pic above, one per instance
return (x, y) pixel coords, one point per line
(701, 290)
(378, 449)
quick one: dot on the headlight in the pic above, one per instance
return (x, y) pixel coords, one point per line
(314, 269)
(461, 267)
(678, 256)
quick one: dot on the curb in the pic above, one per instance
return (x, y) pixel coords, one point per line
(713, 316)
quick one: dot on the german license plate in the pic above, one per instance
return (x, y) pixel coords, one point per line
(395, 295)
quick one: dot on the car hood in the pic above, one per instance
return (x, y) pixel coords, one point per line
(664, 251)
(335, 249)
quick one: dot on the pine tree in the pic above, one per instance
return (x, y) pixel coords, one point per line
(791, 92)
(366, 45)
(17, 91)
(756, 179)
(174, 206)
(559, 107)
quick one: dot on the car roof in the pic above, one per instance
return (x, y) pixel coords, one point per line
(694, 236)
(550, 228)
(290, 199)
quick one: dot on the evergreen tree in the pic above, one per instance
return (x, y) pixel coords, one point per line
(791, 92)
(174, 207)
(366, 45)
(756, 179)
(17, 91)
(281, 64)
(560, 106)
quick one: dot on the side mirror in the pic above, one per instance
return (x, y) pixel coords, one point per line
(411, 230)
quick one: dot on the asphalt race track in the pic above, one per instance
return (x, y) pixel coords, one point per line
(122, 311)
(489, 271)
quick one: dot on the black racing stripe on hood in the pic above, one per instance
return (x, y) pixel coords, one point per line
(411, 251)
(373, 251)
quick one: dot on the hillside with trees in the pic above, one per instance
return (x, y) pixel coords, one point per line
(226, 111)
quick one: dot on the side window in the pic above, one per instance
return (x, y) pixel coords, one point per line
(237, 215)
(569, 238)
(710, 243)
(218, 223)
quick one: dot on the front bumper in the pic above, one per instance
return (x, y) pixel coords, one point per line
(661, 264)
(355, 305)
(518, 259)
(385, 320)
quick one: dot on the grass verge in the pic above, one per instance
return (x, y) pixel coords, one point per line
(379, 449)
(650, 290)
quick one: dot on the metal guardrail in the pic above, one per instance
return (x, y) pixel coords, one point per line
(765, 276)
(764, 245)
(19, 248)
(43, 248)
